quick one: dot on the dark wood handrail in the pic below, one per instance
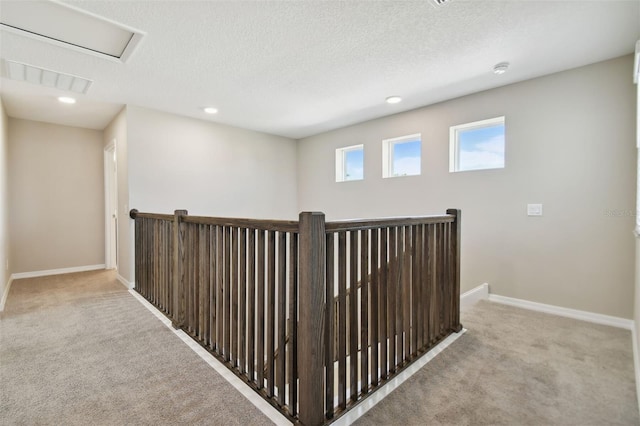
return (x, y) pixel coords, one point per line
(359, 224)
(292, 225)
(135, 213)
(266, 225)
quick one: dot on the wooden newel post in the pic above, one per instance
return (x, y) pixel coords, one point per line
(455, 279)
(178, 278)
(311, 300)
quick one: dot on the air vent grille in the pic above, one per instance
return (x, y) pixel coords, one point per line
(44, 77)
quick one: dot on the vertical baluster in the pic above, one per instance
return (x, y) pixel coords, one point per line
(342, 320)
(392, 292)
(415, 286)
(234, 296)
(242, 301)
(441, 277)
(406, 293)
(202, 296)
(364, 310)
(281, 289)
(353, 315)
(429, 282)
(251, 306)
(213, 319)
(383, 299)
(330, 322)
(204, 283)
(227, 294)
(271, 313)
(374, 323)
(260, 311)
(190, 258)
(447, 287)
(293, 323)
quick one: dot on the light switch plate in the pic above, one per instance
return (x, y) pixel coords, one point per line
(534, 209)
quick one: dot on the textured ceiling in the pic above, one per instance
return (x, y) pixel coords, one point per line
(298, 68)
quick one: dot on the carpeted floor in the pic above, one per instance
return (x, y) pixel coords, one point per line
(78, 349)
(518, 367)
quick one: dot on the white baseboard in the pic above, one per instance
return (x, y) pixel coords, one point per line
(60, 271)
(636, 361)
(474, 295)
(5, 294)
(627, 324)
(124, 282)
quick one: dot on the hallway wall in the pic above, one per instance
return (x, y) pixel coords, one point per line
(570, 145)
(56, 196)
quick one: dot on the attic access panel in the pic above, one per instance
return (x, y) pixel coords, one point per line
(69, 27)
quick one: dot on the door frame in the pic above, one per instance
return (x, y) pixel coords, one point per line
(111, 206)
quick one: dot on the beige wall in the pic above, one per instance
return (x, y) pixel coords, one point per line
(56, 196)
(117, 130)
(5, 272)
(570, 145)
(207, 168)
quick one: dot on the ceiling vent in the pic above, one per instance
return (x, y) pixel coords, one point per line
(44, 77)
(69, 27)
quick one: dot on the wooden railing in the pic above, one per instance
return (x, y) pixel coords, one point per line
(313, 315)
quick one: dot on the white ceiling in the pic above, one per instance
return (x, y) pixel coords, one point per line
(298, 68)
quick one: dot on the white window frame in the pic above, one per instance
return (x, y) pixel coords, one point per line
(341, 154)
(387, 154)
(454, 148)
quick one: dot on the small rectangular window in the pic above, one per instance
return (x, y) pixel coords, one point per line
(350, 163)
(401, 156)
(477, 146)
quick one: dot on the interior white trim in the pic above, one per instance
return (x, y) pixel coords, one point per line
(262, 405)
(624, 323)
(636, 64)
(472, 296)
(636, 361)
(124, 282)
(44, 273)
(5, 294)
(110, 188)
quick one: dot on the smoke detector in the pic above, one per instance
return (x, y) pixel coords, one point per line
(501, 68)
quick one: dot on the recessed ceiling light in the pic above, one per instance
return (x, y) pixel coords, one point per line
(501, 68)
(393, 99)
(66, 100)
(210, 110)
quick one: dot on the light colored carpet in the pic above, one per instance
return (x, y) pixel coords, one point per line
(78, 349)
(518, 367)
